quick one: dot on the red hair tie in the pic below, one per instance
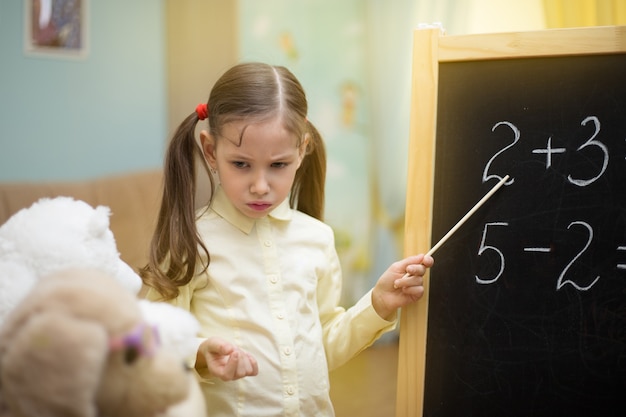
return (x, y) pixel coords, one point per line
(202, 111)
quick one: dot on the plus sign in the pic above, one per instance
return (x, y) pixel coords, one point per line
(549, 151)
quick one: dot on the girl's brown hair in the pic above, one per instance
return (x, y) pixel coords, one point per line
(252, 92)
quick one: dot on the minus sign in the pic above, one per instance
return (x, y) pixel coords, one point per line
(545, 250)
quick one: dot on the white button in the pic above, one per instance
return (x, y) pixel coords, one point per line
(290, 390)
(268, 243)
(280, 316)
(287, 350)
(273, 279)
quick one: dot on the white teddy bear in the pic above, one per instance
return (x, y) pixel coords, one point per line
(55, 234)
(52, 235)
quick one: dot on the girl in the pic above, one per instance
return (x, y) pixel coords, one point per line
(257, 267)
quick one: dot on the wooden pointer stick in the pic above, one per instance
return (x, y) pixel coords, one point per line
(468, 215)
(464, 219)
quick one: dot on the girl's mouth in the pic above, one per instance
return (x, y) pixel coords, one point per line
(259, 206)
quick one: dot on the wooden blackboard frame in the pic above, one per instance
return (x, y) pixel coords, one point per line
(431, 48)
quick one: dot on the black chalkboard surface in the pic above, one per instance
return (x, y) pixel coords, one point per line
(525, 309)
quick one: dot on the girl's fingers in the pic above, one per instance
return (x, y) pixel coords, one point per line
(409, 281)
(230, 368)
(416, 269)
(253, 364)
(240, 365)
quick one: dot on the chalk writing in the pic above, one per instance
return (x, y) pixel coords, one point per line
(549, 151)
(562, 280)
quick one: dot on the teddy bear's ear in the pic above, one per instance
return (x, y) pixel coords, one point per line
(98, 224)
(53, 366)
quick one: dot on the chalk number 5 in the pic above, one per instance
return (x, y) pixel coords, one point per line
(484, 247)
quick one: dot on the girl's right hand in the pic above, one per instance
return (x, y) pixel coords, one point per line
(224, 360)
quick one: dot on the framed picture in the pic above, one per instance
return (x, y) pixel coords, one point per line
(56, 28)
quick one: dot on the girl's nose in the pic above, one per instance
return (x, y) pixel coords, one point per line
(260, 185)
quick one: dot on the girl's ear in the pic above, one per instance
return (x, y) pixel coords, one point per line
(207, 141)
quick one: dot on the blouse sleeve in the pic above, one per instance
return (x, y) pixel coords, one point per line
(345, 332)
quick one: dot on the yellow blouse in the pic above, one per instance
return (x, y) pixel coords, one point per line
(273, 288)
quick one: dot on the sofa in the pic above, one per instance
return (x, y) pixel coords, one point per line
(133, 198)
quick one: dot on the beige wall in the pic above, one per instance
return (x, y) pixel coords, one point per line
(201, 39)
(201, 43)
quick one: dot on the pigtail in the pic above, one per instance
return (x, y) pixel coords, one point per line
(307, 193)
(174, 246)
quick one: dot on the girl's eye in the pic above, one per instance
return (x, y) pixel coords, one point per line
(239, 164)
(279, 164)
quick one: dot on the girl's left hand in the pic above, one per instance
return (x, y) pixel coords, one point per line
(401, 284)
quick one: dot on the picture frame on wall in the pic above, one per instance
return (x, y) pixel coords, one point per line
(56, 28)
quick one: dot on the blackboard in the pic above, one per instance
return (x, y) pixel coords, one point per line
(526, 304)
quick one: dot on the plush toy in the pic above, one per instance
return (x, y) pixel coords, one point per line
(50, 238)
(51, 235)
(79, 345)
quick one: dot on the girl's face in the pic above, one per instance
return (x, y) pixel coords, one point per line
(256, 175)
